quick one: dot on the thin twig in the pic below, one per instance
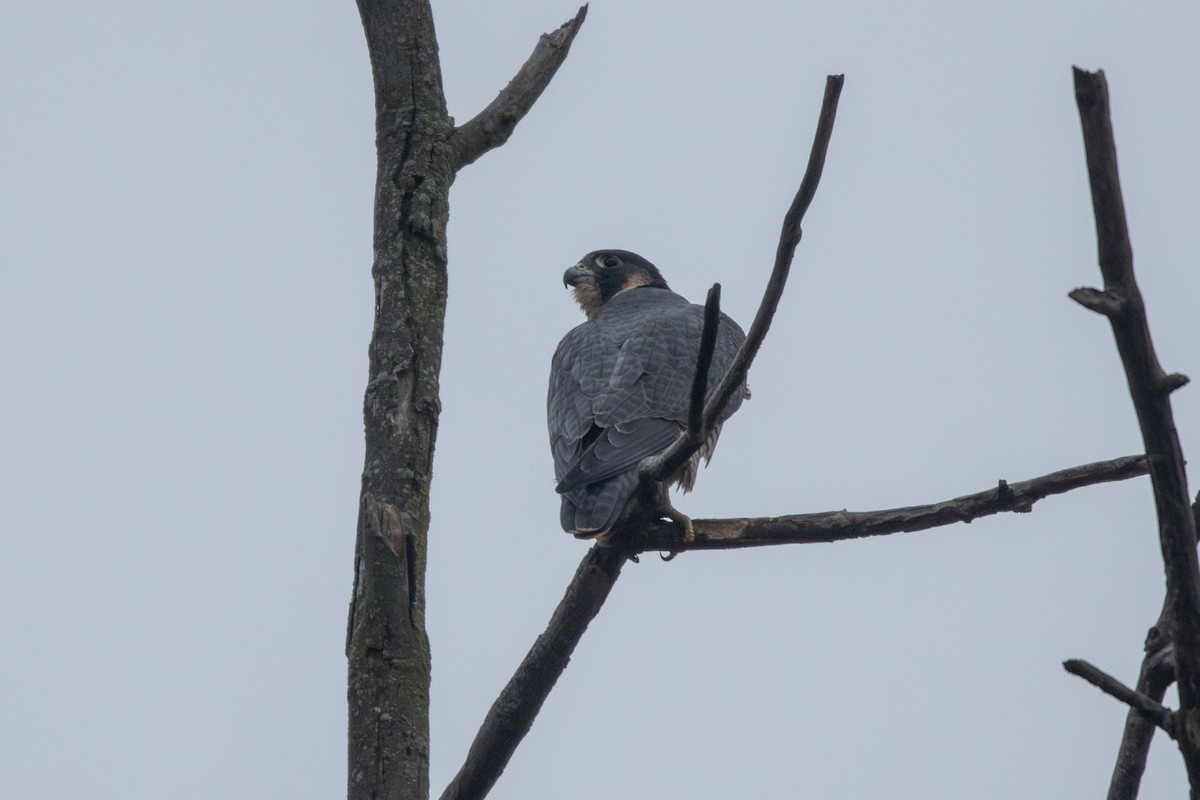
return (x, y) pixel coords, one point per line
(657, 468)
(708, 344)
(1150, 388)
(491, 127)
(1147, 706)
(789, 238)
(835, 526)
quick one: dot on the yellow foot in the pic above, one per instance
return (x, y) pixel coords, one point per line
(689, 533)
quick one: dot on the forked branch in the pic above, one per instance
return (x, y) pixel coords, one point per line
(1146, 706)
(1150, 387)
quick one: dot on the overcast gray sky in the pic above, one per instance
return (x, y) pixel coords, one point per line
(185, 305)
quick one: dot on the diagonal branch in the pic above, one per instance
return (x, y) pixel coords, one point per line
(789, 238)
(1150, 388)
(836, 526)
(513, 712)
(657, 468)
(1146, 706)
(491, 127)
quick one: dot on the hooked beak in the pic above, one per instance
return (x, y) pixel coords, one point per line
(575, 275)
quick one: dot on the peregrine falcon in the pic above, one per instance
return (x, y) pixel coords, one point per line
(620, 385)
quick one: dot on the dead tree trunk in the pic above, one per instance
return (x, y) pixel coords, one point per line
(419, 153)
(387, 646)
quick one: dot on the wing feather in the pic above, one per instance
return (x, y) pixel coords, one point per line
(619, 390)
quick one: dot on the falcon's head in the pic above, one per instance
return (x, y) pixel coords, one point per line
(603, 274)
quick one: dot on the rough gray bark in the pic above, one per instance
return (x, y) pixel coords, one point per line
(419, 152)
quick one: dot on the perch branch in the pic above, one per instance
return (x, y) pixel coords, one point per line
(836, 526)
(514, 710)
(491, 127)
(1148, 707)
(1150, 389)
(657, 468)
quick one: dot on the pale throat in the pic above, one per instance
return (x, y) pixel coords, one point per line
(587, 294)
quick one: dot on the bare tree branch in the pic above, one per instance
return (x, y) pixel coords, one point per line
(657, 468)
(514, 710)
(1157, 673)
(835, 526)
(1148, 707)
(1150, 388)
(491, 127)
(789, 238)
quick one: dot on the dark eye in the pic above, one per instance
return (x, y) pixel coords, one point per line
(611, 261)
